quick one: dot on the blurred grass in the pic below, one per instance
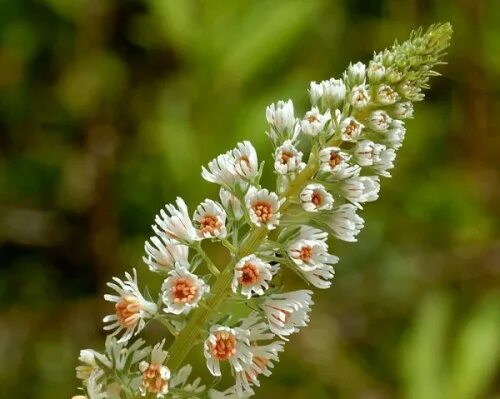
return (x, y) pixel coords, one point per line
(107, 110)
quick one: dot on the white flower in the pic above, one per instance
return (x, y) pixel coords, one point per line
(334, 161)
(359, 96)
(282, 120)
(263, 357)
(334, 91)
(314, 122)
(176, 223)
(263, 207)
(379, 121)
(395, 135)
(210, 220)
(182, 291)
(356, 73)
(403, 110)
(385, 162)
(155, 375)
(281, 115)
(344, 223)
(87, 358)
(314, 197)
(131, 309)
(367, 152)
(245, 160)
(227, 344)
(287, 312)
(386, 95)
(350, 129)
(231, 203)
(309, 254)
(288, 159)
(361, 189)
(376, 71)
(221, 170)
(163, 253)
(320, 276)
(252, 275)
(316, 93)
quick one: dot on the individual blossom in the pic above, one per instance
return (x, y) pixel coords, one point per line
(321, 276)
(176, 223)
(314, 197)
(309, 254)
(403, 110)
(384, 162)
(221, 170)
(359, 96)
(163, 253)
(344, 223)
(367, 152)
(227, 344)
(287, 159)
(182, 291)
(356, 73)
(350, 129)
(88, 364)
(131, 309)
(395, 135)
(376, 71)
(360, 189)
(386, 95)
(231, 203)
(314, 122)
(334, 91)
(155, 375)
(281, 118)
(335, 162)
(316, 93)
(210, 220)
(245, 160)
(252, 276)
(286, 313)
(263, 207)
(379, 121)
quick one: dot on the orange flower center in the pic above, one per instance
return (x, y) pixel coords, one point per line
(335, 159)
(285, 157)
(305, 253)
(209, 224)
(316, 198)
(261, 363)
(184, 290)
(128, 310)
(263, 211)
(312, 118)
(244, 159)
(249, 274)
(225, 345)
(350, 128)
(152, 380)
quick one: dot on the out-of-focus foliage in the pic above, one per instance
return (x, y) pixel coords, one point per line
(109, 107)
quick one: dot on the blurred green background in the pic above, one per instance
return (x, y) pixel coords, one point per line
(108, 108)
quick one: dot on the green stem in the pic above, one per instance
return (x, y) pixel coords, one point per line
(210, 265)
(221, 289)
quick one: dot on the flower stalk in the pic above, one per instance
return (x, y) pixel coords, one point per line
(354, 127)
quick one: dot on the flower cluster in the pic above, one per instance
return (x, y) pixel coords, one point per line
(353, 130)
